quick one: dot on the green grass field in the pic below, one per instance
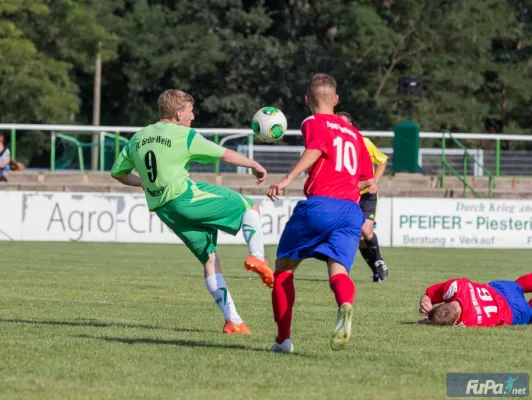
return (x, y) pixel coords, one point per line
(108, 321)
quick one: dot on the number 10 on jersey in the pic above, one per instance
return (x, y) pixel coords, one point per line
(346, 156)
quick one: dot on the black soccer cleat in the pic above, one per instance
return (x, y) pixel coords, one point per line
(382, 271)
(374, 276)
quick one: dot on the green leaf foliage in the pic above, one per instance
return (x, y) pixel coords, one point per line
(236, 56)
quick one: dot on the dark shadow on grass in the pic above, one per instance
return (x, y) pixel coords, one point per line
(183, 342)
(418, 323)
(256, 278)
(96, 324)
(311, 279)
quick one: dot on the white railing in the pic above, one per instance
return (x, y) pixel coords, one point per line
(245, 132)
(298, 150)
(223, 135)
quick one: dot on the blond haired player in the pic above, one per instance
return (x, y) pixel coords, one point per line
(369, 244)
(194, 211)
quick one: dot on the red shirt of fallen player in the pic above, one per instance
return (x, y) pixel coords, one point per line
(481, 304)
(344, 162)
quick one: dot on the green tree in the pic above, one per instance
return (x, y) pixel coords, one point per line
(34, 87)
(215, 49)
(45, 47)
(159, 47)
(448, 44)
(236, 56)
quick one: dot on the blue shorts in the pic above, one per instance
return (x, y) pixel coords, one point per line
(323, 227)
(514, 295)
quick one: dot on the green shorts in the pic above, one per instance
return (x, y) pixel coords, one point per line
(197, 215)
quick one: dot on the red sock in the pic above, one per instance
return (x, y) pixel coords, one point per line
(526, 282)
(343, 288)
(283, 297)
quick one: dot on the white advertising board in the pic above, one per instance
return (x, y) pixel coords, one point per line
(105, 217)
(68, 217)
(401, 222)
(136, 224)
(474, 223)
(11, 207)
(383, 228)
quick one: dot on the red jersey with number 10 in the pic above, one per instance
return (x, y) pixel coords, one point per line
(481, 304)
(344, 161)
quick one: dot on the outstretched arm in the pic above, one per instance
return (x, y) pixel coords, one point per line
(205, 151)
(235, 158)
(308, 158)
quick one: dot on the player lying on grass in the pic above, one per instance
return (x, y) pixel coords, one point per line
(327, 225)
(467, 303)
(194, 211)
(369, 244)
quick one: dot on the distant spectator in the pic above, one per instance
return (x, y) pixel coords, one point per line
(17, 165)
(5, 159)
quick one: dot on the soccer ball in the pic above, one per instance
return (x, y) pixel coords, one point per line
(269, 124)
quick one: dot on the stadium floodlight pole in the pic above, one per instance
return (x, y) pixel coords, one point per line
(96, 109)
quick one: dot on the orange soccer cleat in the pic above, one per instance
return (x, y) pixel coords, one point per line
(232, 328)
(262, 268)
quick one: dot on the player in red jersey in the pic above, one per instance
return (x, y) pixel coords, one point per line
(328, 224)
(467, 303)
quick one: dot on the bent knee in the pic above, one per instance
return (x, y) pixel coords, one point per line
(367, 228)
(286, 264)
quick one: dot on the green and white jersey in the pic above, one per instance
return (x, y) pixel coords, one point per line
(161, 154)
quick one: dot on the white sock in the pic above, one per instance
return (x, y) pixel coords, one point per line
(218, 289)
(252, 230)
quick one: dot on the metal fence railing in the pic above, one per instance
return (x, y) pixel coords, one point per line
(489, 146)
(279, 159)
(468, 160)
